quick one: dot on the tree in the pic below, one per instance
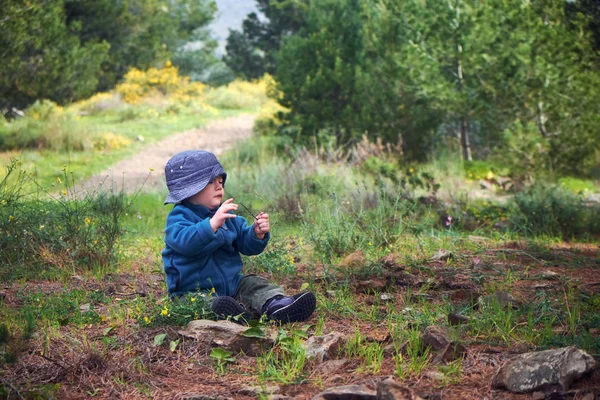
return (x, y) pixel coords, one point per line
(316, 71)
(141, 33)
(252, 52)
(42, 58)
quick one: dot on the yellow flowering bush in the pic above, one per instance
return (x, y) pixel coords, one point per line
(111, 141)
(166, 81)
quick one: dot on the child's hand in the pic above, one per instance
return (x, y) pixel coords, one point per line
(261, 225)
(222, 214)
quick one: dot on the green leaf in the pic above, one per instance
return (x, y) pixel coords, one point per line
(173, 345)
(304, 286)
(255, 332)
(159, 339)
(221, 354)
(107, 330)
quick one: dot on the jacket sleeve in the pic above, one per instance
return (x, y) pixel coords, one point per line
(190, 238)
(247, 242)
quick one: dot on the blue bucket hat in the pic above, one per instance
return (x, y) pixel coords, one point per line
(188, 172)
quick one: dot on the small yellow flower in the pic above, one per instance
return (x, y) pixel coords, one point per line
(42, 227)
(11, 218)
(151, 169)
(193, 299)
(58, 180)
(87, 221)
(411, 170)
(64, 192)
(165, 311)
(212, 291)
(147, 320)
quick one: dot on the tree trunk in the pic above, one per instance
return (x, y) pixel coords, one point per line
(464, 127)
(464, 139)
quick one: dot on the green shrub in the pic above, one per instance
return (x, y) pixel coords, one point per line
(577, 185)
(57, 230)
(551, 210)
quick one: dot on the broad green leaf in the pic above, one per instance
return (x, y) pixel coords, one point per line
(159, 339)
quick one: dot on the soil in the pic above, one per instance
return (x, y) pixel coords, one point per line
(123, 363)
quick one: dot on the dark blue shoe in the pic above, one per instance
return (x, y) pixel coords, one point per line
(290, 309)
(226, 307)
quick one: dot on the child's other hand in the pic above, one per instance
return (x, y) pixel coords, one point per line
(261, 225)
(222, 214)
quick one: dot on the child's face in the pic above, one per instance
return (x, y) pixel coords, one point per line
(211, 196)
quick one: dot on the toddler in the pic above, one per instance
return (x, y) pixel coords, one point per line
(204, 239)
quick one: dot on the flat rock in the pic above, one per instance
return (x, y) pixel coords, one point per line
(389, 389)
(325, 347)
(544, 369)
(348, 392)
(226, 334)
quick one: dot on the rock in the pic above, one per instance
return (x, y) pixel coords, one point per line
(386, 297)
(329, 367)
(226, 334)
(538, 396)
(544, 369)
(323, 348)
(436, 337)
(255, 391)
(451, 352)
(348, 392)
(371, 286)
(195, 396)
(442, 255)
(485, 185)
(389, 389)
(85, 307)
(457, 319)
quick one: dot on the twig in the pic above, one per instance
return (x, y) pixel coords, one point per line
(5, 383)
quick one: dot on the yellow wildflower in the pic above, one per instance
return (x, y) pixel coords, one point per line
(146, 320)
(11, 218)
(87, 220)
(165, 311)
(193, 299)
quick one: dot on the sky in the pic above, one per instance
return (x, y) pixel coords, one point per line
(230, 15)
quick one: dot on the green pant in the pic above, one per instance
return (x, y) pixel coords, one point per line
(254, 291)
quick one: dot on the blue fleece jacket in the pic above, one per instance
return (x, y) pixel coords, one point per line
(196, 258)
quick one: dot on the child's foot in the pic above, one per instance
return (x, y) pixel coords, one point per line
(290, 309)
(226, 307)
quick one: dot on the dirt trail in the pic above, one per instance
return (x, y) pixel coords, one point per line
(129, 174)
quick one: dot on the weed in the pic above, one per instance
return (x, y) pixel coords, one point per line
(285, 362)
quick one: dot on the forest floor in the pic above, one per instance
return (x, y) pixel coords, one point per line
(121, 361)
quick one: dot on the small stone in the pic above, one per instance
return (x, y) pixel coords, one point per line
(386, 297)
(538, 396)
(442, 255)
(457, 319)
(450, 353)
(85, 307)
(436, 337)
(348, 392)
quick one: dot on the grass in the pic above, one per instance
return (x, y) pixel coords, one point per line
(383, 264)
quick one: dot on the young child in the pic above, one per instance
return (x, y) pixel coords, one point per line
(204, 240)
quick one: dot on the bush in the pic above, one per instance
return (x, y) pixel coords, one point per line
(138, 85)
(552, 210)
(41, 232)
(44, 126)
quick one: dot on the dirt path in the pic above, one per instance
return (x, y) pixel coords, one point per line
(217, 137)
